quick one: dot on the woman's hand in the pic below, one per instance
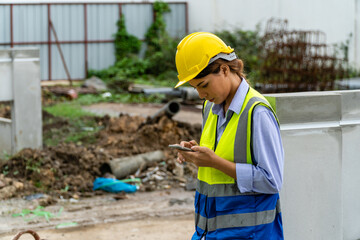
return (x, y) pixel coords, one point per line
(202, 157)
(181, 158)
(205, 157)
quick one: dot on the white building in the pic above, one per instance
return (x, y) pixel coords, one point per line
(337, 18)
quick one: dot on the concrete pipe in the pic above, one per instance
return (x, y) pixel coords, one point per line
(169, 109)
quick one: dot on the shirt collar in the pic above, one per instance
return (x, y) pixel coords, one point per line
(236, 102)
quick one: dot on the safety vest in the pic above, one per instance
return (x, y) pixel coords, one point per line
(221, 210)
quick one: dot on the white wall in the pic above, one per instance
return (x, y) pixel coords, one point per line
(321, 135)
(337, 18)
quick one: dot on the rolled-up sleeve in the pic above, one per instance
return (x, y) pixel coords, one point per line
(266, 174)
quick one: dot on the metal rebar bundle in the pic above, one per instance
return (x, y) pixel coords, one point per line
(297, 60)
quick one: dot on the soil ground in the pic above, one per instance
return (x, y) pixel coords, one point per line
(143, 215)
(161, 209)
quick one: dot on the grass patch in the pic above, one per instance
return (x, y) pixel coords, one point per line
(70, 110)
(70, 123)
(88, 99)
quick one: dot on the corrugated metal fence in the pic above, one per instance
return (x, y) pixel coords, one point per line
(85, 31)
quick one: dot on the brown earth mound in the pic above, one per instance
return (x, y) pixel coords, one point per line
(69, 169)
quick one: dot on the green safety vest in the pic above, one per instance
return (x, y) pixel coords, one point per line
(235, 143)
(218, 200)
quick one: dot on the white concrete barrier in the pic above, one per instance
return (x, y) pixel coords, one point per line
(20, 85)
(321, 137)
(350, 125)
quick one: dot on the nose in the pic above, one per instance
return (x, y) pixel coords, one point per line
(202, 93)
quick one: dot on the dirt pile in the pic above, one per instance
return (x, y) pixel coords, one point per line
(69, 169)
(63, 169)
(9, 187)
(125, 136)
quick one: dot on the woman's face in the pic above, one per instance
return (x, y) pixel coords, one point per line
(214, 87)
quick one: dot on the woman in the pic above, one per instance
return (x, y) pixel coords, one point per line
(240, 155)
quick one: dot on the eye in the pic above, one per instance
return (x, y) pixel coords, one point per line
(205, 85)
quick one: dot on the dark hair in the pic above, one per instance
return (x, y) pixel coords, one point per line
(236, 66)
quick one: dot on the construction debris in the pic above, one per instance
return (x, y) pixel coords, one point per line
(69, 170)
(169, 110)
(122, 167)
(297, 60)
(69, 93)
(95, 83)
(9, 187)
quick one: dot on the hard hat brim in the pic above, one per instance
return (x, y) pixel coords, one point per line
(226, 55)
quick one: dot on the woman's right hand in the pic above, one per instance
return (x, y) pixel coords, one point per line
(180, 158)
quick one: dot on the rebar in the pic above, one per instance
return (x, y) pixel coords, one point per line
(297, 60)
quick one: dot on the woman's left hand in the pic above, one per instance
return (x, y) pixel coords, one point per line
(202, 157)
(205, 157)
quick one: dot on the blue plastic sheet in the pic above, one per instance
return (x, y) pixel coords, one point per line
(113, 185)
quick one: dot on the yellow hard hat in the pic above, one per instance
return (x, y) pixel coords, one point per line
(194, 53)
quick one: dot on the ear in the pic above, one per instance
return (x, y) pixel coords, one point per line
(225, 69)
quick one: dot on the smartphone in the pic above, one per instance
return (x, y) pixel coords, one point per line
(181, 148)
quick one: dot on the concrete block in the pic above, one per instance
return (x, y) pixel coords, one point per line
(6, 93)
(5, 139)
(350, 123)
(350, 181)
(350, 105)
(20, 85)
(311, 195)
(27, 113)
(307, 107)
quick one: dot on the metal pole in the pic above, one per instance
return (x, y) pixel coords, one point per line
(49, 41)
(85, 39)
(61, 53)
(11, 27)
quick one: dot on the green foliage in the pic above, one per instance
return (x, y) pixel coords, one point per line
(33, 165)
(127, 67)
(352, 72)
(246, 45)
(342, 49)
(125, 43)
(161, 48)
(6, 156)
(5, 170)
(163, 60)
(29, 215)
(66, 189)
(157, 31)
(159, 61)
(118, 76)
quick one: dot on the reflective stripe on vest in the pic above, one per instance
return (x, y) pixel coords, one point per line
(237, 220)
(220, 190)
